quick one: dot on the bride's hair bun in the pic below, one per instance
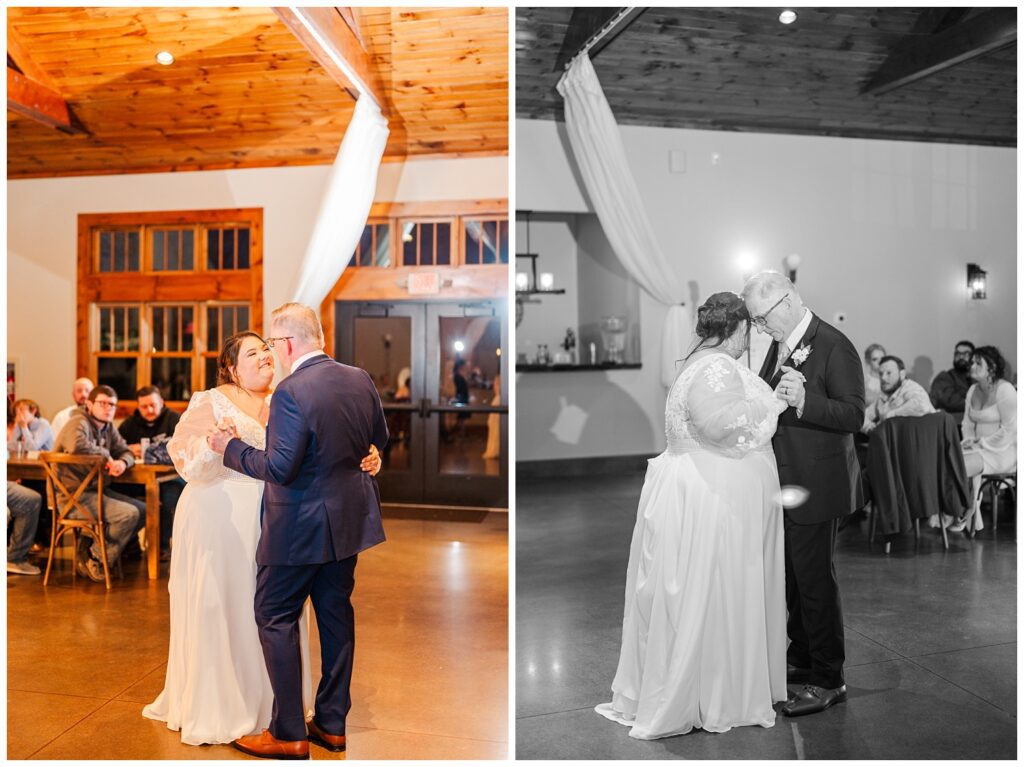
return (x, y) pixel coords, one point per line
(229, 356)
(720, 315)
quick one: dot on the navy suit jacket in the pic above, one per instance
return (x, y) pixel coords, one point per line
(816, 452)
(318, 505)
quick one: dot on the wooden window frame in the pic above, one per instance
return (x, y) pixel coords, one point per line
(146, 288)
(483, 218)
(418, 221)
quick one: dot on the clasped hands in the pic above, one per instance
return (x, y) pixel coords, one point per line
(791, 388)
(220, 434)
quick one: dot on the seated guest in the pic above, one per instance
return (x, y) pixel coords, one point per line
(899, 395)
(31, 430)
(23, 507)
(990, 424)
(91, 432)
(872, 383)
(79, 393)
(949, 388)
(152, 421)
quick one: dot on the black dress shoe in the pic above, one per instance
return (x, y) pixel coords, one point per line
(796, 674)
(812, 699)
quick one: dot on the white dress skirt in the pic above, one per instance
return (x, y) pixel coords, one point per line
(216, 688)
(704, 624)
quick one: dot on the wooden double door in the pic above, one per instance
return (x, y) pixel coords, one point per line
(439, 370)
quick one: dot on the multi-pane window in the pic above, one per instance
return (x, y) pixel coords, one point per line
(118, 250)
(227, 248)
(374, 246)
(426, 243)
(146, 314)
(406, 241)
(174, 250)
(117, 356)
(163, 345)
(173, 343)
(486, 241)
(222, 322)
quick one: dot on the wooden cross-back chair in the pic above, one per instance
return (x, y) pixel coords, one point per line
(64, 501)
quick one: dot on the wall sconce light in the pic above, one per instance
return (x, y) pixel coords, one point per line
(791, 262)
(976, 282)
(547, 281)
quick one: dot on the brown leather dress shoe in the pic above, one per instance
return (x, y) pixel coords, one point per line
(812, 699)
(267, 746)
(321, 738)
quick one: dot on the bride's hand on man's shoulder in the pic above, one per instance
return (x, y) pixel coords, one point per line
(371, 463)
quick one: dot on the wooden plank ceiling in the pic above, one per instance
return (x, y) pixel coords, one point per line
(741, 69)
(243, 91)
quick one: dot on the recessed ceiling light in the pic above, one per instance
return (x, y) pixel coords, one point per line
(787, 17)
(165, 58)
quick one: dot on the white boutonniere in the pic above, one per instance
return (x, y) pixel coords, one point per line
(800, 356)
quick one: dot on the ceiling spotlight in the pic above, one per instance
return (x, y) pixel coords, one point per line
(787, 17)
(165, 58)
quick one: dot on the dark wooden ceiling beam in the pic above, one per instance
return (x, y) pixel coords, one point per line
(918, 57)
(34, 100)
(584, 24)
(328, 37)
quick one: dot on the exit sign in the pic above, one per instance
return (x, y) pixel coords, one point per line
(424, 284)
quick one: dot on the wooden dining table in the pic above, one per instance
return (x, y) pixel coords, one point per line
(151, 475)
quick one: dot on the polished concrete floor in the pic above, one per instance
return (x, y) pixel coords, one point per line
(931, 641)
(430, 680)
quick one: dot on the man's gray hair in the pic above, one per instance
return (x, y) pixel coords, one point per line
(300, 321)
(768, 283)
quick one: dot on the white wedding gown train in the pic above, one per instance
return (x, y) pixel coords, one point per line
(704, 625)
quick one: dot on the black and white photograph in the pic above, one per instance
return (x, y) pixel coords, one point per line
(765, 396)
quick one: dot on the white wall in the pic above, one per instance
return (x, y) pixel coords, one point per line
(885, 230)
(42, 228)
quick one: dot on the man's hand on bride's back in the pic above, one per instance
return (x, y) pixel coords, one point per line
(372, 462)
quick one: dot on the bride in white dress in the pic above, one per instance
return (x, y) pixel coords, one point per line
(217, 688)
(704, 626)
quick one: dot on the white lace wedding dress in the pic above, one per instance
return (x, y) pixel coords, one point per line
(704, 627)
(216, 688)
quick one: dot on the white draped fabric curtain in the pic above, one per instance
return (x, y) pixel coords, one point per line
(346, 204)
(601, 157)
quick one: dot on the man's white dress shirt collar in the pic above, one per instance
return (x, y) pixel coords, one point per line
(304, 357)
(799, 330)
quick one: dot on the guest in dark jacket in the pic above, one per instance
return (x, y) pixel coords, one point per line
(155, 422)
(949, 388)
(151, 420)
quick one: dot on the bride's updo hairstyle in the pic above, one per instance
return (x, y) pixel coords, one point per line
(229, 356)
(718, 318)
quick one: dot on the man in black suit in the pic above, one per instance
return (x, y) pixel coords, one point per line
(817, 371)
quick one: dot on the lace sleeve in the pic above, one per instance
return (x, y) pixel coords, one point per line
(726, 413)
(192, 456)
(1006, 434)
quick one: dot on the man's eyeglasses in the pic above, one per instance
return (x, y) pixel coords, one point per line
(104, 403)
(270, 341)
(762, 319)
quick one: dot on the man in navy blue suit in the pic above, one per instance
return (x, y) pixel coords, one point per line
(319, 511)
